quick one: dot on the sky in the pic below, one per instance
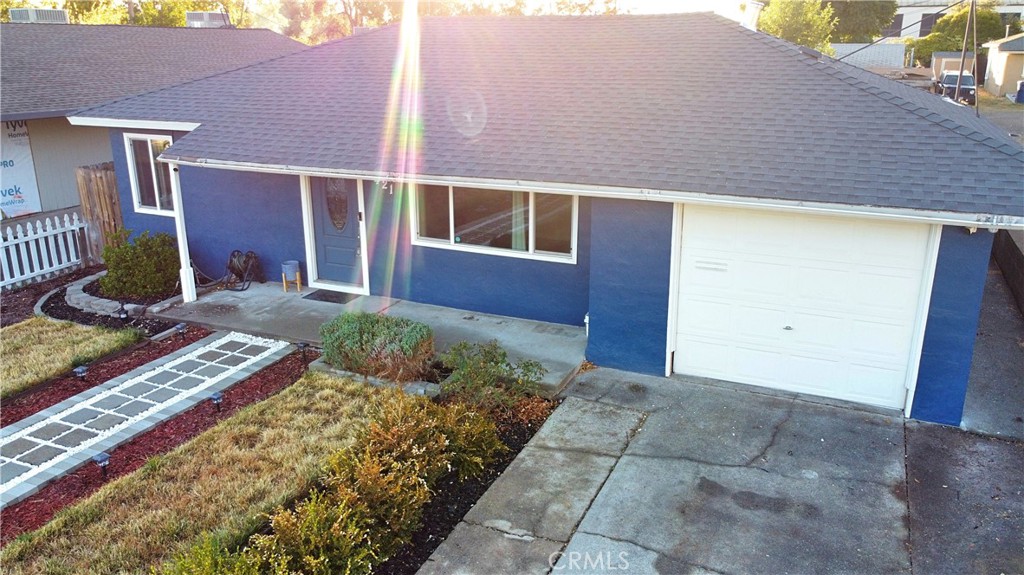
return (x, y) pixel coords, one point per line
(727, 8)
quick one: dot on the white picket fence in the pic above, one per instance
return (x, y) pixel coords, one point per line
(41, 248)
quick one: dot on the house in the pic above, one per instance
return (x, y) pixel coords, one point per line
(50, 70)
(915, 18)
(1005, 65)
(715, 201)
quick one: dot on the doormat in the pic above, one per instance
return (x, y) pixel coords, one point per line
(331, 296)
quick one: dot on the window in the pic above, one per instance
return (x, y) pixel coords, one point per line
(527, 224)
(150, 179)
(927, 22)
(894, 29)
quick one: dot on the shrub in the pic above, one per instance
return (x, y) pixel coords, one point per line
(322, 536)
(378, 345)
(483, 376)
(373, 493)
(391, 493)
(147, 267)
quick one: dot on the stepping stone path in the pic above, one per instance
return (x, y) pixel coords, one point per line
(59, 439)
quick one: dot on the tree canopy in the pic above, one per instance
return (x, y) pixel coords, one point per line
(804, 22)
(948, 33)
(861, 20)
(138, 12)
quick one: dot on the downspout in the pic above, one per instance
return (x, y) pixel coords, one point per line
(188, 278)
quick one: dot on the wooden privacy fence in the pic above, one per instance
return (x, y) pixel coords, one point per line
(101, 208)
(39, 249)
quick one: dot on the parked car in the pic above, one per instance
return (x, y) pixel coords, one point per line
(946, 86)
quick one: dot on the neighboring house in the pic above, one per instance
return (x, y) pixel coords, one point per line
(48, 71)
(818, 234)
(915, 18)
(1005, 65)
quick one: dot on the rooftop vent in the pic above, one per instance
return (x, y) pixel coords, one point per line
(39, 15)
(206, 20)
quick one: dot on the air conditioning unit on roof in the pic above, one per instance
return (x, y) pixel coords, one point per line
(39, 15)
(206, 20)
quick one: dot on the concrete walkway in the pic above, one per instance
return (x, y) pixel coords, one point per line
(265, 309)
(639, 474)
(995, 391)
(65, 436)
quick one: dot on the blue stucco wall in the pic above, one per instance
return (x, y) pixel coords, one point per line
(225, 210)
(631, 252)
(952, 325)
(543, 291)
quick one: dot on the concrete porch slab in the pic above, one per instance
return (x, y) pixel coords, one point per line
(266, 310)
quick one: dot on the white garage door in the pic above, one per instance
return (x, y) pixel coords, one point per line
(812, 304)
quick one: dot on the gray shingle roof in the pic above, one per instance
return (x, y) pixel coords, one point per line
(684, 102)
(49, 70)
(1014, 45)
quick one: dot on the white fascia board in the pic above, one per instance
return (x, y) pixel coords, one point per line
(132, 124)
(985, 221)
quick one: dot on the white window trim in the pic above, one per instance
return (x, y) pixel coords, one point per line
(134, 178)
(531, 254)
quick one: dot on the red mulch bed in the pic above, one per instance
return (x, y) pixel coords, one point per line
(19, 305)
(39, 397)
(33, 512)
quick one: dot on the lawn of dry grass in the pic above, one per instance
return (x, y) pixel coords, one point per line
(222, 482)
(989, 102)
(38, 349)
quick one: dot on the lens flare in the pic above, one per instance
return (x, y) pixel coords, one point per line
(399, 157)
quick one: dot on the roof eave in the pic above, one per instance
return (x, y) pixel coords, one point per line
(991, 222)
(101, 122)
(34, 115)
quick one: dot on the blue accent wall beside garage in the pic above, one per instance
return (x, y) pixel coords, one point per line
(952, 325)
(631, 253)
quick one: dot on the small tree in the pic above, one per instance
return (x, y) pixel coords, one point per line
(804, 22)
(861, 20)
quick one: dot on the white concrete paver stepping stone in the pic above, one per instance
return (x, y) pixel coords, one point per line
(55, 441)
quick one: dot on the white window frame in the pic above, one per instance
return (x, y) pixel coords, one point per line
(531, 252)
(134, 178)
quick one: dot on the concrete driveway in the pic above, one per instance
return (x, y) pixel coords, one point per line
(722, 480)
(637, 474)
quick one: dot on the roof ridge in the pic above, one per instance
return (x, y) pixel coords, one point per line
(943, 121)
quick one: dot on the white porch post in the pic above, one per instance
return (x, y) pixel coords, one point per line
(188, 278)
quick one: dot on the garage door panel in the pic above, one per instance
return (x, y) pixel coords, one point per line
(804, 372)
(876, 385)
(705, 357)
(710, 317)
(886, 294)
(849, 290)
(826, 333)
(884, 341)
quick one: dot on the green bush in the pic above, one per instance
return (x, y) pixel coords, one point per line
(147, 267)
(378, 345)
(321, 536)
(483, 377)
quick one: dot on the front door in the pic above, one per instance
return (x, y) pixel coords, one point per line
(336, 219)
